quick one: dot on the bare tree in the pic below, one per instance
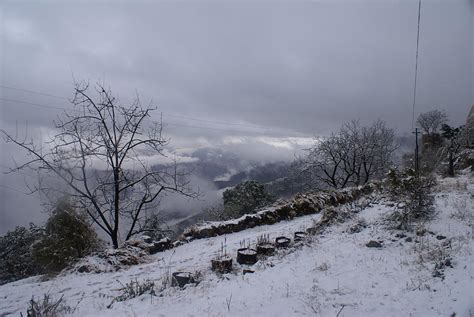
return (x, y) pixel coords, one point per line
(432, 120)
(324, 163)
(99, 154)
(376, 147)
(353, 156)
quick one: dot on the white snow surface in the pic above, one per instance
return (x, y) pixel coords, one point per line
(334, 273)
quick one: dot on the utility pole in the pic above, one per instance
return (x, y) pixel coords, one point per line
(417, 161)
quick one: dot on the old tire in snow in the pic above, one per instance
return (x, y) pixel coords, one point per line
(246, 256)
(300, 236)
(222, 265)
(265, 249)
(181, 278)
(282, 242)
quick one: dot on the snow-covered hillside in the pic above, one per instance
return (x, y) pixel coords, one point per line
(333, 274)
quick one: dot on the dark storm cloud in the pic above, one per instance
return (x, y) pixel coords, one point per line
(301, 67)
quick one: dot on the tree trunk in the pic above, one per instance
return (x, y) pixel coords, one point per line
(451, 165)
(114, 237)
(117, 203)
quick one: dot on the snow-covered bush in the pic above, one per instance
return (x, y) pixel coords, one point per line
(413, 192)
(245, 198)
(16, 259)
(359, 225)
(112, 260)
(68, 237)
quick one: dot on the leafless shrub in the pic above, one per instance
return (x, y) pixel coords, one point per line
(134, 289)
(48, 307)
(223, 250)
(228, 301)
(454, 184)
(359, 225)
(244, 243)
(462, 211)
(419, 283)
(312, 299)
(263, 239)
(323, 267)
(166, 276)
(437, 256)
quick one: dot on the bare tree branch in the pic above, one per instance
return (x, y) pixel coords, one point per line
(432, 120)
(99, 153)
(353, 156)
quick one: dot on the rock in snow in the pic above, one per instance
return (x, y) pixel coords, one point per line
(373, 244)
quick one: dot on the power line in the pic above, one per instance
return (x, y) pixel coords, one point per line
(170, 123)
(32, 104)
(165, 114)
(33, 92)
(11, 188)
(416, 65)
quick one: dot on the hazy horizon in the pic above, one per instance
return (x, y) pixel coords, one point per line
(258, 79)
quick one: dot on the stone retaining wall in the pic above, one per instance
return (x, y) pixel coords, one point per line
(300, 205)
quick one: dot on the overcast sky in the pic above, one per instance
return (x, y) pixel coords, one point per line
(296, 68)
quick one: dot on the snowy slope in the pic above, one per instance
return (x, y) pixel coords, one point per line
(334, 273)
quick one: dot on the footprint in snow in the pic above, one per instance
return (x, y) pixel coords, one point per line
(92, 284)
(66, 289)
